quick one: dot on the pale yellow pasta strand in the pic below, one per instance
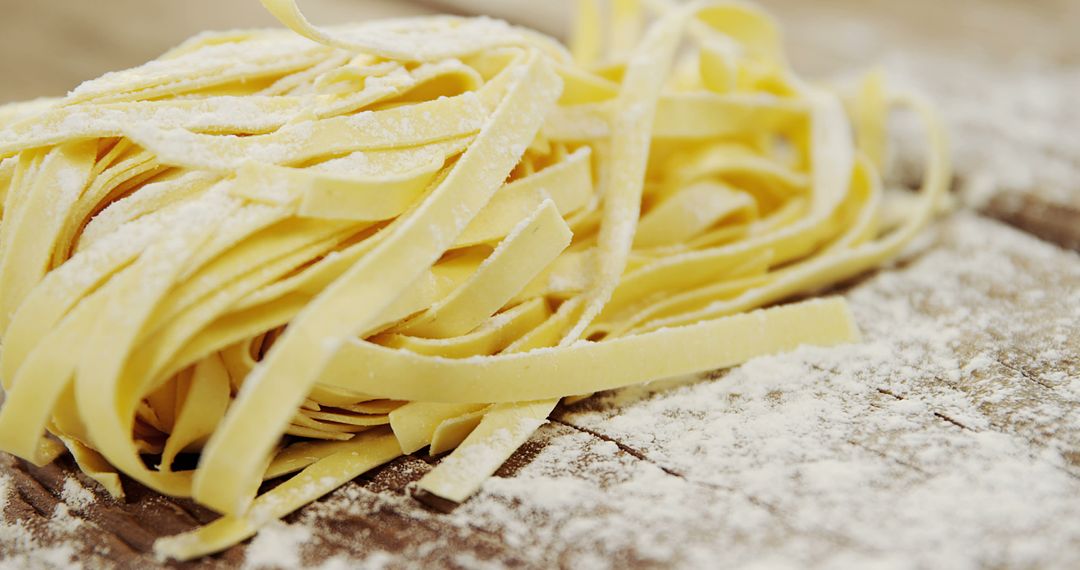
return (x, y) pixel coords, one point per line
(545, 373)
(361, 454)
(277, 387)
(734, 116)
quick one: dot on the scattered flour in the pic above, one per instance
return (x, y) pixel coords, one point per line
(903, 451)
(21, 550)
(75, 495)
(277, 546)
(924, 446)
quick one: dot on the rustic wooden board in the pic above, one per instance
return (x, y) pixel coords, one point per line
(949, 438)
(950, 435)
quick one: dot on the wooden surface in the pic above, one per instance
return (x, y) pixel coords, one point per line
(949, 438)
(911, 450)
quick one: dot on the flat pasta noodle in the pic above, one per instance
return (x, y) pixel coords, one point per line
(302, 253)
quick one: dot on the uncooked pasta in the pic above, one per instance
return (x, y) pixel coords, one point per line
(302, 253)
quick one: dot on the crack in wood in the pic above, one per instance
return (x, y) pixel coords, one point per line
(889, 393)
(888, 457)
(953, 421)
(768, 507)
(634, 452)
(133, 549)
(1023, 372)
(936, 413)
(42, 483)
(183, 511)
(33, 504)
(1003, 428)
(30, 476)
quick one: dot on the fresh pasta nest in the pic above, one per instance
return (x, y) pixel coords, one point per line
(304, 253)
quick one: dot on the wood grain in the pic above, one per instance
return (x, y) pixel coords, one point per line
(885, 420)
(991, 421)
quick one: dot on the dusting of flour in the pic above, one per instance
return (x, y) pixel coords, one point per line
(922, 446)
(20, 549)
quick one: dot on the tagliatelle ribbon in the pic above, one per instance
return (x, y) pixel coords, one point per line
(302, 253)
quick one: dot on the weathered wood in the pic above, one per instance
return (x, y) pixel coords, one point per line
(1051, 221)
(956, 415)
(949, 438)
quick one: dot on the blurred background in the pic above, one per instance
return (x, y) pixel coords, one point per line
(1006, 73)
(49, 46)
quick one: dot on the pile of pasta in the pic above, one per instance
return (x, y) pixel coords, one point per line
(302, 253)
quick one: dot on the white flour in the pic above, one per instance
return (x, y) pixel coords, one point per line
(840, 457)
(75, 495)
(277, 545)
(943, 440)
(20, 550)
